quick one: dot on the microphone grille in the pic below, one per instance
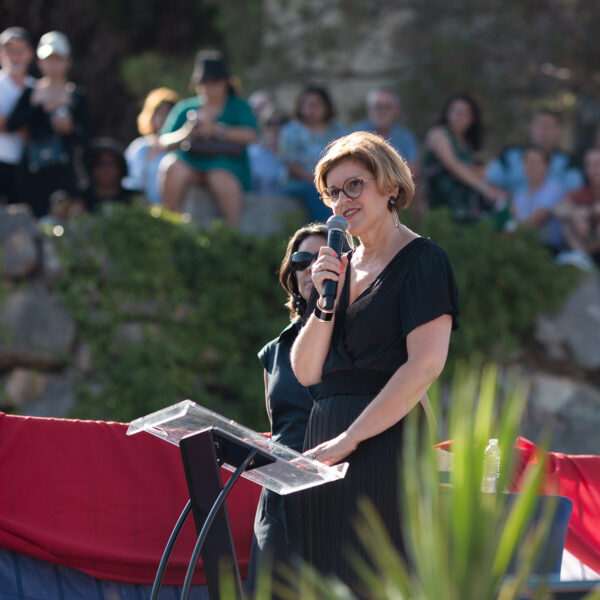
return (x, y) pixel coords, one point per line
(337, 222)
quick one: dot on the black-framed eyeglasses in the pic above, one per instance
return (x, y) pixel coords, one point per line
(303, 260)
(352, 187)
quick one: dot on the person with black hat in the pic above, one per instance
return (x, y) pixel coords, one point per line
(209, 134)
(16, 55)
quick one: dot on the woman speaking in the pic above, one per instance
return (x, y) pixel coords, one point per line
(376, 353)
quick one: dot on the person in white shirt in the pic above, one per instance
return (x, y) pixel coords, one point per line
(144, 154)
(16, 54)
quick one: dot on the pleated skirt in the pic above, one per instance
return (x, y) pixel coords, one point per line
(330, 511)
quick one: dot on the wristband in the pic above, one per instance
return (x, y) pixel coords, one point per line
(322, 315)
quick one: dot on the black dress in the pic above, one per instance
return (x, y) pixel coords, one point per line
(277, 528)
(368, 345)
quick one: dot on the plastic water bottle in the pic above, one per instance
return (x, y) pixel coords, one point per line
(491, 467)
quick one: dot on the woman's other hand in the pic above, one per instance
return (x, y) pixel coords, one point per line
(494, 194)
(62, 121)
(333, 451)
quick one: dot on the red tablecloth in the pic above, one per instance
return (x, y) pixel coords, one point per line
(575, 476)
(84, 495)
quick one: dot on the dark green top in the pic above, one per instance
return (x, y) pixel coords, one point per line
(237, 113)
(443, 189)
(290, 402)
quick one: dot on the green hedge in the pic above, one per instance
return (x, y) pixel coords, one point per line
(504, 280)
(202, 303)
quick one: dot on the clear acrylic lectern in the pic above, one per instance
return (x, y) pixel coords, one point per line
(208, 441)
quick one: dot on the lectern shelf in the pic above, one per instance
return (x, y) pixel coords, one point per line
(289, 472)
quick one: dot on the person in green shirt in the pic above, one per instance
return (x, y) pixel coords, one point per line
(208, 134)
(452, 177)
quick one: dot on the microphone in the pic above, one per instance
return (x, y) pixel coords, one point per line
(336, 227)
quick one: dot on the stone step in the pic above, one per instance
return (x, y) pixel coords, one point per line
(261, 215)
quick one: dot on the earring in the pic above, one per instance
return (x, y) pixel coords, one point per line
(298, 301)
(392, 207)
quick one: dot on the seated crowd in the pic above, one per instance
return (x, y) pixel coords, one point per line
(218, 140)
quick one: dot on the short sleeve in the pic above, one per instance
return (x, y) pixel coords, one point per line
(265, 354)
(429, 290)
(411, 151)
(573, 179)
(242, 115)
(176, 117)
(135, 156)
(554, 195)
(495, 173)
(288, 142)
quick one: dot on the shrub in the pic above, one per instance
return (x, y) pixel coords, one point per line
(170, 313)
(504, 280)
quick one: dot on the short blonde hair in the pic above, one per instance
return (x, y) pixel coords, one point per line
(375, 154)
(153, 100)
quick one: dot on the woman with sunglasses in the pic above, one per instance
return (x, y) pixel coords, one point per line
(277, 524)
(376, 353)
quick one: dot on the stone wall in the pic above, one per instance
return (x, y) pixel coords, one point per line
(41, 357)
(38, 339)
(562, 364)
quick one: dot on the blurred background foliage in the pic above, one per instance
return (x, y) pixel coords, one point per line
(513, 55)
(170, 312)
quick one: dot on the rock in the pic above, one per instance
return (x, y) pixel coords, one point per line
(56, 397)
(84, 358)
(18, 234)
(19, 254)
(135, 333)
(35, 330)
(16, 217)
(24, 386)
(261, 215)
(52, 268)
(566, 409)
(573, 335)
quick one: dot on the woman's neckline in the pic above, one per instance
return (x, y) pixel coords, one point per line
(379, 275)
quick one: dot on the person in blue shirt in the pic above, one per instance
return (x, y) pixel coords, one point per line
(535, 205)
(269, 172)
(301, 143)
(508, 170)
(383, 111)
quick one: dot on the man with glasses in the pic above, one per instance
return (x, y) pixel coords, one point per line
(383, 111)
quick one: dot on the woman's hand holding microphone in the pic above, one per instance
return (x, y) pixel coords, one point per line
(328, 266)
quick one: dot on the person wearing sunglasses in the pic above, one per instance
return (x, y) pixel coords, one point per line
(375, 354)
(277, 530)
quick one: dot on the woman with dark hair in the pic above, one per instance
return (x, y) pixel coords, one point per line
(209, 133)
(449, 163)
(277, 531)
(301, 143)
(106, 165)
